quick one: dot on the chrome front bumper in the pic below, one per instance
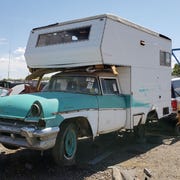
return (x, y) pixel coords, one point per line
(29, 137)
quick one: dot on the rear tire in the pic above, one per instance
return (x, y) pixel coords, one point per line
(64, 151)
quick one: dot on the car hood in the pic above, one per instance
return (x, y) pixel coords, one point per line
(18, 106)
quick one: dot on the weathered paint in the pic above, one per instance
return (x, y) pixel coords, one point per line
(18, 106)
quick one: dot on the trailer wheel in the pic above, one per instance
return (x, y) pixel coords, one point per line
(64, 151)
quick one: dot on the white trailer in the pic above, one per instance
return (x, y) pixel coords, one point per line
(103, 39)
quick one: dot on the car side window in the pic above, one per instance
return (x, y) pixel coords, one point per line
(109, 86)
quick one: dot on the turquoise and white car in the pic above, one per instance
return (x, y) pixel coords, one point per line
(73, 105)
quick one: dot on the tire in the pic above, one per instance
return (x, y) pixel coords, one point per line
(64, 151)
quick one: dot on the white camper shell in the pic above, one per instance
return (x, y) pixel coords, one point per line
(142, 58)
(103, 39)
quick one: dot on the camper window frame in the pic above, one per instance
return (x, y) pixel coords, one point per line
(165, 58)
(64, 36)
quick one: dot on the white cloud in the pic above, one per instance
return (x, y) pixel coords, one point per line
(13, 65)
(3, 41)
(19, 50)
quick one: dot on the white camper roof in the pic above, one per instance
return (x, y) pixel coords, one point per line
(102, 39)
(109, 16)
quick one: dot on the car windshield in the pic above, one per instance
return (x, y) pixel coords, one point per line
(75, 84)
(176, 87)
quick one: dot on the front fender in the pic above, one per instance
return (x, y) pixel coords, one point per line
(49, 109)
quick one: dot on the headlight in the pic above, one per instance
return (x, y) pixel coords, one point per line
(35, 110)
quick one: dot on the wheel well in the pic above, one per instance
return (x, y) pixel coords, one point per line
(152, 116)
(82, 124)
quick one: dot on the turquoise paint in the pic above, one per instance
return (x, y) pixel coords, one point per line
(16, 106)
(112, 101)
(136, 103)
(128, 100)
(143, 90)
(132, 102)
(55, 103)
(52, 103)
(70, 143)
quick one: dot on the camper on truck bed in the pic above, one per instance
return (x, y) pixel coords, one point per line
(112, 76)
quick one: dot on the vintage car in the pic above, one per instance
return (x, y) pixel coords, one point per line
(43, 120)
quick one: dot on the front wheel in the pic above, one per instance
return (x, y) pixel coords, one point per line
(64, 151)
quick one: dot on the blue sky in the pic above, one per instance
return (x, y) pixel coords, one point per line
(17, 18)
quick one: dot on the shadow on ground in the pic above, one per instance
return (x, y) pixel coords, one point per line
(106, 151)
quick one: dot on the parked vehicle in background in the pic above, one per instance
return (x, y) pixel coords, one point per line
(21, 89)
(4, 91)
(17, 89)
(9, 84)
(5, 84)
(109, 78)
(175, 102)
(175, 83)
(175, 91)
(175, 94)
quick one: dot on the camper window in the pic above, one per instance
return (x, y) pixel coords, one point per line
(165, 58)
(64, 36)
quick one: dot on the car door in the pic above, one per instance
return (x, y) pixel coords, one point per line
(112, 106)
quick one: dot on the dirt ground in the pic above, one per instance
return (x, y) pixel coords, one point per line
(158, 155)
